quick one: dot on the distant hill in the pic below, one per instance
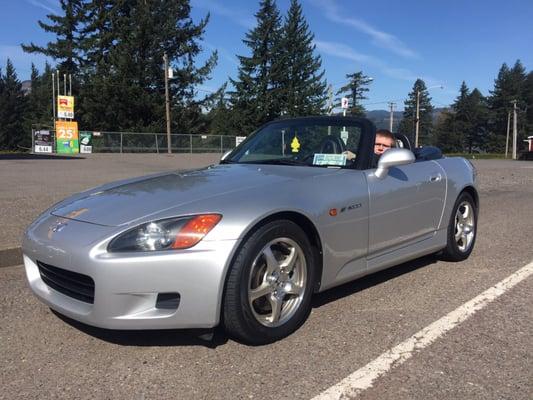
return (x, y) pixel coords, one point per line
(380, 118)
(26, 87)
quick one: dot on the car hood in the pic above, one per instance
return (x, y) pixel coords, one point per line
(124, 203)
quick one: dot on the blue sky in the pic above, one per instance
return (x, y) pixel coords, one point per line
(442, 42)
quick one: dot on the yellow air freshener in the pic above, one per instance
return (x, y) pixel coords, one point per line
(295, 145)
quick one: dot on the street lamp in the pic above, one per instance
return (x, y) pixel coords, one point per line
(417, 121)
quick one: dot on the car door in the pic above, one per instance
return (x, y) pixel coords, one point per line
(405, 206)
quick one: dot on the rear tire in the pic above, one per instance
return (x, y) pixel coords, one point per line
(462, 229)
(270, 283)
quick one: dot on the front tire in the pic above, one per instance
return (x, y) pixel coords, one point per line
(462, 229)
(270, 284)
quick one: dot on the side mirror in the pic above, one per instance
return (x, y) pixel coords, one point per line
(393, 158)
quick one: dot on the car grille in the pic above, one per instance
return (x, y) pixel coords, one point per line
(72, 284)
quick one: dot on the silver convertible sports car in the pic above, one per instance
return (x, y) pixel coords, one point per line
(247, 242)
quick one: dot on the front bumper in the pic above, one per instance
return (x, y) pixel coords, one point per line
(126, 286)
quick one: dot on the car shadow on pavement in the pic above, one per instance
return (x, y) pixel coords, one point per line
(210, 338)
(374, 279)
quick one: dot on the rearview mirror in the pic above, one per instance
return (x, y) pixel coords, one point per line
(393, 158)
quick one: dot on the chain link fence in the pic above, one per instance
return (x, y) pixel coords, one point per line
(136, 142)
(141, 142)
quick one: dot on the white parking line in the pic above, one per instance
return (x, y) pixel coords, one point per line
(364, 377)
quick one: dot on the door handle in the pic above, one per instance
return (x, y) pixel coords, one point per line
(435, 178)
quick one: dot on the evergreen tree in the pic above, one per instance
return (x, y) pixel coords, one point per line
(220, 115)
(528, 98)
(508, 86)
(303, 89)
(12, 109)
(126, 49)
(39, 99)
(407, 125)
(461, 113)
(477, 119)
(355, 90)
(66, 48)
(257, 97)
(446, 136)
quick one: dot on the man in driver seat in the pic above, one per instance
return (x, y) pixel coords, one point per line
(384, 141)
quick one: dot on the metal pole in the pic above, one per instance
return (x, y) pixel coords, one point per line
(417, 116)
(70, 84)
(65, 83)
(156, 144)
(515, 133)
(58, 91)
(53, 98)
(221, 147)
(120, 142)
(167, 103)
(32, 140)
(391, 104)
(508, 128)
(190, 143)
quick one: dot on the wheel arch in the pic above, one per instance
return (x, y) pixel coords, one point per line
(299, 219)
(471, 190)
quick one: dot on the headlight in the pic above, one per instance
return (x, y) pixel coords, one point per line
(166, 234)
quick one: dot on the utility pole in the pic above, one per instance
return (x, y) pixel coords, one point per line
(515, 133)
(507, 138)
(417, 121)
(391, 105)
(167, 102)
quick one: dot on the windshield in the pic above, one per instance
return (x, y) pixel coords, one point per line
(323, 143)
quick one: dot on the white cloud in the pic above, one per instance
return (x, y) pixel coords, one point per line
(41, 4)
(346, 52)
(379, 38)
(236, 16)
(222, 52)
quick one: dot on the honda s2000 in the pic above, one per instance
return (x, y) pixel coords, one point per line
(247, 242)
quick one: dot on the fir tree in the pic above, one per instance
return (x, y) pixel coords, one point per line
(66, 48)
(220, 115)
(40, 109)
(446, 136)
(477, 117)
(130, 72)
(508, 86)
(528, 98)
(355, 90)
(302, 86)
(407, 125)
(257, 97)
(12, 109)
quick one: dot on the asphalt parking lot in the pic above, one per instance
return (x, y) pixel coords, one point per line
(487, 356)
